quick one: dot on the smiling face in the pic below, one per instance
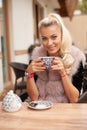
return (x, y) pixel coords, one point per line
(51, 37)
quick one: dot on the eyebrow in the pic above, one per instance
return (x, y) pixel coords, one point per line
(51, 35)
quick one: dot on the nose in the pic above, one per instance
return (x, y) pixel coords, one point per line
(50, 42)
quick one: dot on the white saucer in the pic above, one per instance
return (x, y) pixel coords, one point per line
(40, 105)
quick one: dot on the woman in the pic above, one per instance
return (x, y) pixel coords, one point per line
(59, 83)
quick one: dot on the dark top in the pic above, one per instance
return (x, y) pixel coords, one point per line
(78, 77)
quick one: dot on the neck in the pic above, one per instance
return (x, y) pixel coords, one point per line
(56, 54)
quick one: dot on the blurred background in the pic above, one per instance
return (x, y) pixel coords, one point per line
(19, 29)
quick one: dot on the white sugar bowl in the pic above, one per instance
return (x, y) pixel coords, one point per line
(11, 102)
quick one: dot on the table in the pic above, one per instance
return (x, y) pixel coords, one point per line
(61, 116)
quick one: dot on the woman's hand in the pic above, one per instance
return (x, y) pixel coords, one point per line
(58, 65)
(35, 66)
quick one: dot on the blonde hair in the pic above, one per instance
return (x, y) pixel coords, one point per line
(65, 50)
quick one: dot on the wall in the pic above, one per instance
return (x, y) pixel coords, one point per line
(21, 29)
(78, 29)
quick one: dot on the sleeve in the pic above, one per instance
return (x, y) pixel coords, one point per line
(78, 77)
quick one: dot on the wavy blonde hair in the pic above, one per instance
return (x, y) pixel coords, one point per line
(65, 50)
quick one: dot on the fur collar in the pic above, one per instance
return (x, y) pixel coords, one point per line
(78, 58)
(75, 52)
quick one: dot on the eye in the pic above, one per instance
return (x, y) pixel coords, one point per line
(53, 37)
(44, 39)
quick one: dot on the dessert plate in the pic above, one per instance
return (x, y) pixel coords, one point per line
(40, 105)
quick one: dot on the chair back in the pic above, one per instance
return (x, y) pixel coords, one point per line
(83, 98)
(85, 79)
(19, 71)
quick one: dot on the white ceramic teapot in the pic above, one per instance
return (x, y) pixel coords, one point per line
(11, 102)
